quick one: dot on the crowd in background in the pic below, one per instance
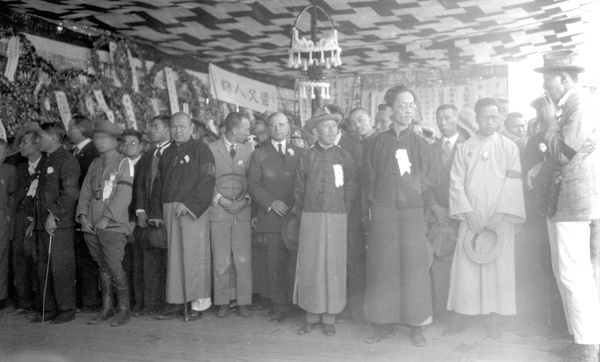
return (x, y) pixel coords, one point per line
(371, 218)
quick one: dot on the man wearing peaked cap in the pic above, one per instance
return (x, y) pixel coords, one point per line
(55, 203)
(103, 211)
(570, 129)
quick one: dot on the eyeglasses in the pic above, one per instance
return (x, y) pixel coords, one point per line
(493, 117)
(130, 144)
(405, 106)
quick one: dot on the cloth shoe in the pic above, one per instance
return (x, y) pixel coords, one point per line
(171, 312)
(243, 311)
(381, 331)
(306, 328)
(223, 311)
(328, 329)
(416, 336)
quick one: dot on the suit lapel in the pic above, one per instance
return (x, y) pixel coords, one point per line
(274, 153)
(225, 152)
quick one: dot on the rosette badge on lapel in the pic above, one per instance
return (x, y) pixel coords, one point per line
(403, 161)
(290, 152)
(50, 170)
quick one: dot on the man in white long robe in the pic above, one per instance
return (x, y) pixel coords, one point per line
(486, 193)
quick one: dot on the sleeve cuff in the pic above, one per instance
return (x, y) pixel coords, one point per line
(216, 199)
(139, 211)
(54, 216)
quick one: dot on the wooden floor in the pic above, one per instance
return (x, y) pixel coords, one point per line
(252, 339)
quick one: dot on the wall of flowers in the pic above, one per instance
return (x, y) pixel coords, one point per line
(124, 90)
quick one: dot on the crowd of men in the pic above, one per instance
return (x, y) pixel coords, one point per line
(368, 218)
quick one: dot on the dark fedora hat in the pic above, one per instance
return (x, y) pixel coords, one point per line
(561, 60)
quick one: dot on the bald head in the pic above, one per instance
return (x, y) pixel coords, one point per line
(181, 127)
(279, 126)
(361, 119)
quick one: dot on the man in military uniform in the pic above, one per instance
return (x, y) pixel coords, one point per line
(103, 211)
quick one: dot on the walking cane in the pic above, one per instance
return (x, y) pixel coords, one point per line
(185, 308)
(46, 281)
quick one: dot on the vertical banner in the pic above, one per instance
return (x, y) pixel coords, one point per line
(63, 107)
(155, 107)
(134, 76)
(112, 47)
(3, 135)
(185, 108)
(128, 105)
(12, 54)
(172, 89)
(102, 103)
(89, 103)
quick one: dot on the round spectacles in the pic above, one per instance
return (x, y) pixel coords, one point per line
(406, 106)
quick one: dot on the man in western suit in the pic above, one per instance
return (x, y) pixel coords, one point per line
(80, 133)
(56, 197)
(271, 186)
(229, 215)
(28, 175)
(152, 239)
(443, 231)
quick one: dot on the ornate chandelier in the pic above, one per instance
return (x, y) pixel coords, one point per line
(314, 55)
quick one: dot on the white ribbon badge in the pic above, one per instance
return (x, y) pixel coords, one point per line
(403, 161)
(338, 172)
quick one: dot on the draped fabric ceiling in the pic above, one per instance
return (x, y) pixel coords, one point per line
(376, 36)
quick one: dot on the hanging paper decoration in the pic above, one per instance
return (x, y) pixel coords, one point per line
(186, 108)
(155, 107)
(170, 80)
(13, 58)
(3, 135)
(134, 77)
(102, 103)
(128, 105)
(112, 47)
(63, 107)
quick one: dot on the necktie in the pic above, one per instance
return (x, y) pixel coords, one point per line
(154, 168)
(281, 153)
(232, 151)
(447, 149)
(76, 151)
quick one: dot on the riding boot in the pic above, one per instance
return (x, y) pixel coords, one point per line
(124, 313)
(107, 298)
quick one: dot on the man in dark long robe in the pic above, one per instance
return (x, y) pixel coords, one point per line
(325, 188)
(398, 172)
(184, 188)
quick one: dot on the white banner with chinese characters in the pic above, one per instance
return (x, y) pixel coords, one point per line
(244, 92)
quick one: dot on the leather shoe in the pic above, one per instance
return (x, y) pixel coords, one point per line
(306, 328)
(171, 312)
(380, 333)
(278, 317)
(223, 311)
(64, 317)
(48, 316)
(416, 337)
(194, 315)
(243, 311)
(328, 329)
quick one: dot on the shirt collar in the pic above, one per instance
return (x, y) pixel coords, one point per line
(337, 139)
(229, 144)
(275, 144)
(451, 139)
(35, 163)
(83, 143)
(370, 134)
(135, 160)
(564, 98)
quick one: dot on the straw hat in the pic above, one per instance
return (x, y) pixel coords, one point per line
(486, 246)
(290, 232)
(106, 126)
